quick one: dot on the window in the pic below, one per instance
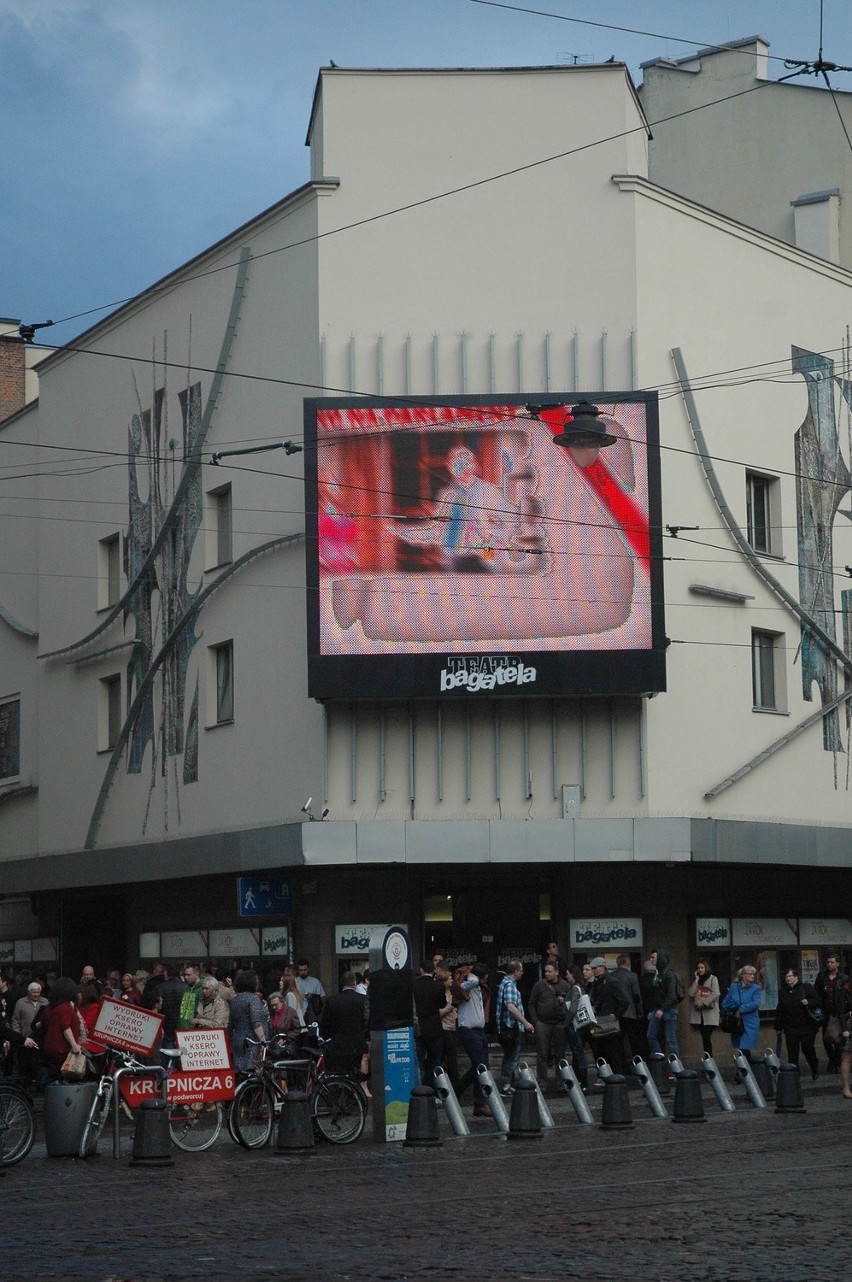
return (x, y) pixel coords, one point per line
(10, 739)
(220, 544)
(109, 712)
(109, 571)
(767, 672)
(761, 515)
(221, 669)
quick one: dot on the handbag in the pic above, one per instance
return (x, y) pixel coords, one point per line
(731, 1021)
(815, 1013)
(74, 1065)
(606, 1026)
(585, 1016)
(832, 1031)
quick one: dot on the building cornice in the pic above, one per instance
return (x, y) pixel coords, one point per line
(639, 186)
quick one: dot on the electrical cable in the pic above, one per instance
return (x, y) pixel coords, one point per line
(169, 283)
(701, 45)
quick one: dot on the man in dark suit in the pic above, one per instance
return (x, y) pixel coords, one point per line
(344, 1023)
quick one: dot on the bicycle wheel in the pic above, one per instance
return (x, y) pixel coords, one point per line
(98, 1114)
(252, 1115)
(194, 1127)
(17, 1126)
(338, 1109)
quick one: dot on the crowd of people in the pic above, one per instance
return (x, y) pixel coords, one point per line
(580, 1010)
(585, 1011)
(43, 1019)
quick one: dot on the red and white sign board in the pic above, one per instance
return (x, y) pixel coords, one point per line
(126, 1027)
(196, 1087)
(203, 1048)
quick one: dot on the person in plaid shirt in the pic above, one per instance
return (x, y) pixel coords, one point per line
(511, 1023)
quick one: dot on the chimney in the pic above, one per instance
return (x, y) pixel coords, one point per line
(13, 370)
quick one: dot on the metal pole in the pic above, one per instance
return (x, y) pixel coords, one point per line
(675, 1064)
(604, 1069)
(746, 1076)
(575, 1093)
(652, 1095)
(714, 1077)
(525, 1074)
(492, 1096)
(447, 1097)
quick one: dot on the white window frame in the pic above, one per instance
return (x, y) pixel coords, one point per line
(768, 671)
(109, 571)
(220, 700)
(219, 525)
(110, 711)
(763, 518)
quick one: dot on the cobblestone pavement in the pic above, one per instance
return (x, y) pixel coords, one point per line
(751, 1196)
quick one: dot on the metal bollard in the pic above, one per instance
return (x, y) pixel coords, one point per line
(675, 1065)
(616, 1102)
(714, 1077)
(295, 1128)
(659, 1072)
(763, 1077)
(152, 1143)
(652, 1095)
(525, 1119)
(421, 1130)
(525, 1074)
(575, 1093)
(492, 1096)
(788, 1098)
(688, 1104)
(604, 1070)
(773, 1063)
(452, 1107)
(746, 1076)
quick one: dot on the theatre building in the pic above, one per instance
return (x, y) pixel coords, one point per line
(535, 627)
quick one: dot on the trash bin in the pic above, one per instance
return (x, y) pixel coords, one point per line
(66, 1107)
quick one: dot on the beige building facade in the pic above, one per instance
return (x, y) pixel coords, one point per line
(159, 739)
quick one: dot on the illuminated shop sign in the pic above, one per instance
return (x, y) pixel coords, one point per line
(713, 932)
(598, 932)
(454, 550)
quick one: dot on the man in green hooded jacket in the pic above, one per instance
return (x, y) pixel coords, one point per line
(665, 1009)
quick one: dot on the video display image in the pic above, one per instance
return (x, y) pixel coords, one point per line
(447, 525)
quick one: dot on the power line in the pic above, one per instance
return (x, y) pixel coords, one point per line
(169, 283)
(630, 31)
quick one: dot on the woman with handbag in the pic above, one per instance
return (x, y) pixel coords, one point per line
(798, 1017)
(703, 995)
(743, 999)
(61, 1021)
(573, 1035)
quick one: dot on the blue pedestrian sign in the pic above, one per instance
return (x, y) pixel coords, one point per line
(264, 897)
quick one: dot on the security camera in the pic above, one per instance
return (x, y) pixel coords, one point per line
(306, 808)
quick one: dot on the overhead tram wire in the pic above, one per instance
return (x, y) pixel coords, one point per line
(699, 45)
(666, 391)
(169, 283)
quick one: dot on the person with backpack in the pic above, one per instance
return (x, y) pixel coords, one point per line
(668, 992)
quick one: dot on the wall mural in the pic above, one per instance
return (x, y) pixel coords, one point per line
(822, 484)
(165, 510)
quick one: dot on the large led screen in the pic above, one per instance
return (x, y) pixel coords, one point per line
(455, 550)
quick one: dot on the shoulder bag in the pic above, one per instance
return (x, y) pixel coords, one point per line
(731, 1021)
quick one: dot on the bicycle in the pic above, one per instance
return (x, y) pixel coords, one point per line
(17, 1123)
(338, 1106)
(193, 1127)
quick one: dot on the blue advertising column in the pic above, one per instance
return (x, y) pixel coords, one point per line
(392, 1062)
